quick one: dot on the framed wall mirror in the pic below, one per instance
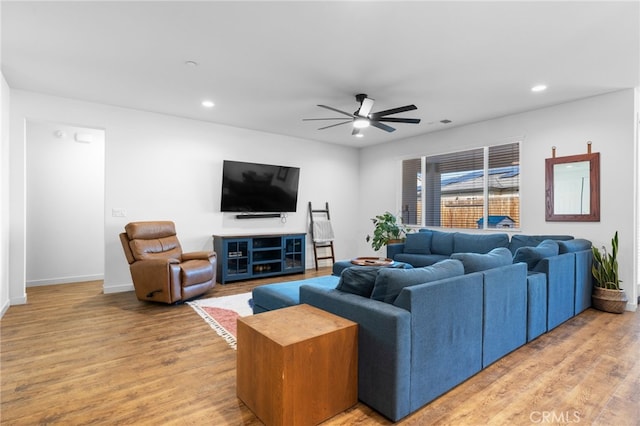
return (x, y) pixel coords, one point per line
(573, 188)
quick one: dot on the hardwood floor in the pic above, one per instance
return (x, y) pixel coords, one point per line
(73, 356)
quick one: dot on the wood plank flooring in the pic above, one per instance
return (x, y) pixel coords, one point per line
(75, 356)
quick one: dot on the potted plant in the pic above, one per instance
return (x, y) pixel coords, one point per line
(387, 229)
(607, 295)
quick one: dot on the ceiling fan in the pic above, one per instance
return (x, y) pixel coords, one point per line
(363, 117)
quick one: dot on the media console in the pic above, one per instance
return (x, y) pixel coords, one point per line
(242, 257)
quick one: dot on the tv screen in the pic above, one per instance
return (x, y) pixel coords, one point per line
(258, 188)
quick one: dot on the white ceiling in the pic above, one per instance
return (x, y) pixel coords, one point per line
(268, 64)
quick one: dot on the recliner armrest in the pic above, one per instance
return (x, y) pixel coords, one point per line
(199, 255)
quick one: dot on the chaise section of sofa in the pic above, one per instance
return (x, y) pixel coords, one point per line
(270, 297)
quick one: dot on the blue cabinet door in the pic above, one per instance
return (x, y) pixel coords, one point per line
(293, 253)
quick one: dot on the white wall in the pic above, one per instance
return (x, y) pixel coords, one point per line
(4, 196)
(607, 121)
(65, 203)
(167, 168)
(160, 167)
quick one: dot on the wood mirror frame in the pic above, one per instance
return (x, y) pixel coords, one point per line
(553, 212)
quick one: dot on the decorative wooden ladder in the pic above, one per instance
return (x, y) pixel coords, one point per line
(321, 233)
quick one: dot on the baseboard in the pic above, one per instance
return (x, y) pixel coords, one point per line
(5, 308)
(65, 280)
(119, 288)
(18, 300)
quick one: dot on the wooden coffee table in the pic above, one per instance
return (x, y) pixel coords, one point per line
(297, 365)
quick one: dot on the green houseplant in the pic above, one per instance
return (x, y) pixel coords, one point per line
(607, 294)
(386, 228)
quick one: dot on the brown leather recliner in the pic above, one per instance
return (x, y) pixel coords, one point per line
(161, 272)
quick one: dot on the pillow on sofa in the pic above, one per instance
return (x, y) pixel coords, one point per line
(358, 280)
(390, 282)
(519, 240)
(475, 262)
(532, 255)
(572, 246)
(418, 243)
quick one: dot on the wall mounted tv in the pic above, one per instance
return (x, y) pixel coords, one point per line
(258, 188)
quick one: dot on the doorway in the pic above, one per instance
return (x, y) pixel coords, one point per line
(64, 203)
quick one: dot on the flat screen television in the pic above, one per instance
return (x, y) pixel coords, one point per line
(258, 188)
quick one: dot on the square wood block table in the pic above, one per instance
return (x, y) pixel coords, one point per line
(297, 365)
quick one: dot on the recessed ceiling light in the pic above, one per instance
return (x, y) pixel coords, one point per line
(539, 88)
(208, 104)
(359, 135)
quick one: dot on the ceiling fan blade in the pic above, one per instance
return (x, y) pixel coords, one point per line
(315, 119)
(334, 125)
(365, 107)
(337, 110)
(378, 114)
(381, 126)
(399, 120)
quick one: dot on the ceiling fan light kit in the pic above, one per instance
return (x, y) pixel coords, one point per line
(363, 117)
(360, 123)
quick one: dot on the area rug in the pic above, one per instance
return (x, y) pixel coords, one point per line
(221, 313)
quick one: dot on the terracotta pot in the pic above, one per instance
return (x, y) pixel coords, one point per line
(609, 300)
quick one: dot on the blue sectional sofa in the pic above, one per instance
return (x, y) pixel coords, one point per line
(423, 331)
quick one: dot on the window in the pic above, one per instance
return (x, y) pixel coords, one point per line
(477, 188)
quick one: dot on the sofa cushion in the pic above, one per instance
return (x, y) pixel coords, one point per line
(420, 260)
(572, 246)
(475, 262)
(478, 243)
(418, 243)
(358, 280)
(518, 240)
(269, 297)
(390, 282)
(532, 255)
(442, 242)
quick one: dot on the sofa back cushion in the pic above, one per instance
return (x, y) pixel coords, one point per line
(156, 248)
(418, 243)
(532, 255)
(442, 242)
(572, 246)
(389, 282)
(475, 262)
(478, 243)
